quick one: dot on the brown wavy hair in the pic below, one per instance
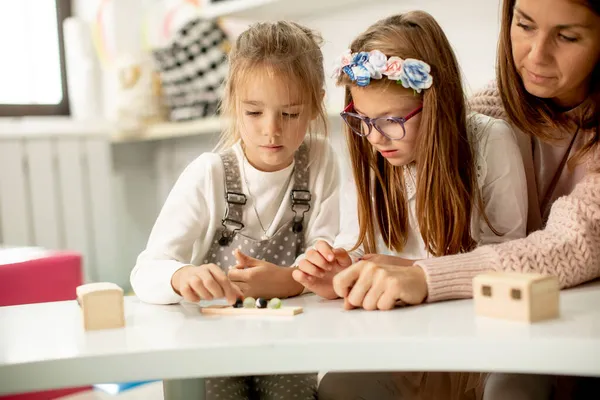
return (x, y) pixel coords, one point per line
(447, 190)
(533, 115)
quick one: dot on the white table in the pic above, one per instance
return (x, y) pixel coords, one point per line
(43, 346)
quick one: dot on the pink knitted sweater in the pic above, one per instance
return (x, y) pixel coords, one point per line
(568, 246)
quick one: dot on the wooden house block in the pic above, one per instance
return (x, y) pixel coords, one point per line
(101, 305)
(527, 297)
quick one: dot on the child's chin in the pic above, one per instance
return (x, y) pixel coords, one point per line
(277, 160)
(398, 161)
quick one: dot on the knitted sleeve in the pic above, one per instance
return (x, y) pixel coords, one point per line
(487, 101)
(568, 247)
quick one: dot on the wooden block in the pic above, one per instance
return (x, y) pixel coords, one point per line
(526, 297)
(101, 305)
(229, 310)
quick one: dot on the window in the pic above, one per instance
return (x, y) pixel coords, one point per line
(32, 71)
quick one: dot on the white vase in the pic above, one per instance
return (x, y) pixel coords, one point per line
(83, 71)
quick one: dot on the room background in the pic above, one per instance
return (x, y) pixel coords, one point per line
(94, 181)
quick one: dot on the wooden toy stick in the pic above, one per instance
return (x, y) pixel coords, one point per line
(229, 310)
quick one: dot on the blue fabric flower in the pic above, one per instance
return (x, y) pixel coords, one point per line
(362, 74)
(360, 58)
(348, 71)
(359, 69)
(415, 75)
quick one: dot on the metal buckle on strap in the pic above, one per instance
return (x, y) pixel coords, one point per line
(300, 196)
(300, 200)
(236, 198)
(231, 222)
(226, 236)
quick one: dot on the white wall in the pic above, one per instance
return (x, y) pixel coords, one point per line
(145, 172)
(472, 27)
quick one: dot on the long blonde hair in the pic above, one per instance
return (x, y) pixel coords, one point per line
(283, 49)
(447, 190)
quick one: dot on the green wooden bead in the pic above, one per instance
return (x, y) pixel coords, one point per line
(249, 302)
(274, 303)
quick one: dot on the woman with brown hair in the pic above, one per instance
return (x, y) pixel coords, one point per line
(548, 88)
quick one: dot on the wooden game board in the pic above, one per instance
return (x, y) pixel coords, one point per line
(229, 310)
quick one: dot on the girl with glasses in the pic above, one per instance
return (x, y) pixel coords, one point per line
(429, 179)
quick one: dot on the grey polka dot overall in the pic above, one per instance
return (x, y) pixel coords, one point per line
(285, 245)
(281, 249)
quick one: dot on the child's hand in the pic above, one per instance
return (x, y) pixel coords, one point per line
(317, 270)
(205, 282)
(388, 260)
(379, 287)
(258, 278)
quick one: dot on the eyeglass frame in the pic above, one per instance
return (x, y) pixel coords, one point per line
(370, 122)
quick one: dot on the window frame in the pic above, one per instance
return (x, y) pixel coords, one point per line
(63, 10)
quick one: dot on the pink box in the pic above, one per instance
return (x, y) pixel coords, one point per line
(34, 275)
(45, 395)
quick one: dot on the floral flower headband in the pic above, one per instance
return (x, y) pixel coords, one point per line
(363, 66)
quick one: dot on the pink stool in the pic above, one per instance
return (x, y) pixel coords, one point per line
(34, 275)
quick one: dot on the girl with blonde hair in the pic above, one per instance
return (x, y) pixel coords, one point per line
(238, 218)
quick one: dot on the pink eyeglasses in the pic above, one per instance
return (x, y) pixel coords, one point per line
(390, 127)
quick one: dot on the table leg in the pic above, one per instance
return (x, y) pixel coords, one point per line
(184, 389)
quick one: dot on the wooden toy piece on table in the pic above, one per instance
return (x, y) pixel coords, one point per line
(102, 305)
(230, 310)
(526, 297)
(250, 306)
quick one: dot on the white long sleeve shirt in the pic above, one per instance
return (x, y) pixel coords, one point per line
(501, 179)
(191, 215)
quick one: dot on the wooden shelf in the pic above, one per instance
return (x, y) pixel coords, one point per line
(272, 9)
(171, 130)
(54, 126)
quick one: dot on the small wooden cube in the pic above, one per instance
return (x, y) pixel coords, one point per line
(101, 305)
(526, 297)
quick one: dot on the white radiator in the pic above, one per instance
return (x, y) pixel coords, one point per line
(56, 192)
